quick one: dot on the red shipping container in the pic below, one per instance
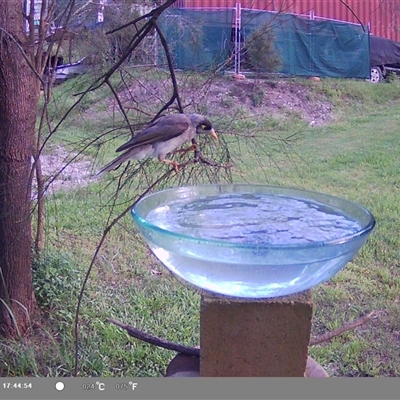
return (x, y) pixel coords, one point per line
(382, 16)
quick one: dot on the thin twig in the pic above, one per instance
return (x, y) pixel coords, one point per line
(109, 226)
(137, 38)
(352, 11)
(347, 327)
(171, 68)
(121, 108)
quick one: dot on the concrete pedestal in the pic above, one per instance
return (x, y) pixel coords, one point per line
(183, 366)
(266, 338)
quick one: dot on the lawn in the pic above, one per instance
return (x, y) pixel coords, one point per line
(354, 155)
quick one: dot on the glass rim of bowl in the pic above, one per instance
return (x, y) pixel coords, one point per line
(365, 229)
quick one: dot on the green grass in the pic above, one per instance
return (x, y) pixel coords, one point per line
(355, 157)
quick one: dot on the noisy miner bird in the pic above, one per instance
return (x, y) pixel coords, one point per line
(162, 137)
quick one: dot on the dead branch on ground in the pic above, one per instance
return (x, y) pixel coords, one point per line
(193, 351)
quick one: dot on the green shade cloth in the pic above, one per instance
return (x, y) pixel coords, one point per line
(202, 40)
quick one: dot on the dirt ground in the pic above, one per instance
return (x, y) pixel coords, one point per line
(63, 177)
(225, 95)
(270, 97)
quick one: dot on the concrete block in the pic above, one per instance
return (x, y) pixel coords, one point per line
(255, 338)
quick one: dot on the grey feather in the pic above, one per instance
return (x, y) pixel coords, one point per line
(160, 138)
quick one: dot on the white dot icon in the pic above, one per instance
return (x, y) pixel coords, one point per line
(60, 386)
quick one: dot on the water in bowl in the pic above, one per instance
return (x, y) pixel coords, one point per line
(248, 236)
(253, 218)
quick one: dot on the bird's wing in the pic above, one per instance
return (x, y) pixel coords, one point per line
(167, 128)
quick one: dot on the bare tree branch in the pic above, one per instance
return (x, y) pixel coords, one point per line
(135, 41)
(175, 95)
(121, 108)
(109, 226)
(352, 11)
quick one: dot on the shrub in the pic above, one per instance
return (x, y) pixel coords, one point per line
(261, 53)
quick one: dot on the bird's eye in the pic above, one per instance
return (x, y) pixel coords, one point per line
(203, 127)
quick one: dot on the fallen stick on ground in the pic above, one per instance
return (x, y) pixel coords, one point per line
(344, 328)
(145, 337)
(192, 351)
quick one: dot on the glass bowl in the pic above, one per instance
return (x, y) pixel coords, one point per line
(251, 241)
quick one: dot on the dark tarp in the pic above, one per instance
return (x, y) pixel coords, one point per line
(384, 51)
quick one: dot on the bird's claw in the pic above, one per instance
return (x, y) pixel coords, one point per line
(176, 166)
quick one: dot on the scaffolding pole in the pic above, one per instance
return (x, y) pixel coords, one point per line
(238, 50)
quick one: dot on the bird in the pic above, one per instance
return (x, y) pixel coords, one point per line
(162, 137)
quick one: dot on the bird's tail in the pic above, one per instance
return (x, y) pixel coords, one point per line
(114, 164)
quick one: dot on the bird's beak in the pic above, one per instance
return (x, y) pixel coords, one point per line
(214, 135)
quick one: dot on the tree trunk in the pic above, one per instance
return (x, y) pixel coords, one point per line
(18, 104)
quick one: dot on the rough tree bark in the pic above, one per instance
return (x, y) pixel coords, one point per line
(19, 97)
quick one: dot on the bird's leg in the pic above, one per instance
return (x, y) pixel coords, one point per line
(193, 147)
(173, 163)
